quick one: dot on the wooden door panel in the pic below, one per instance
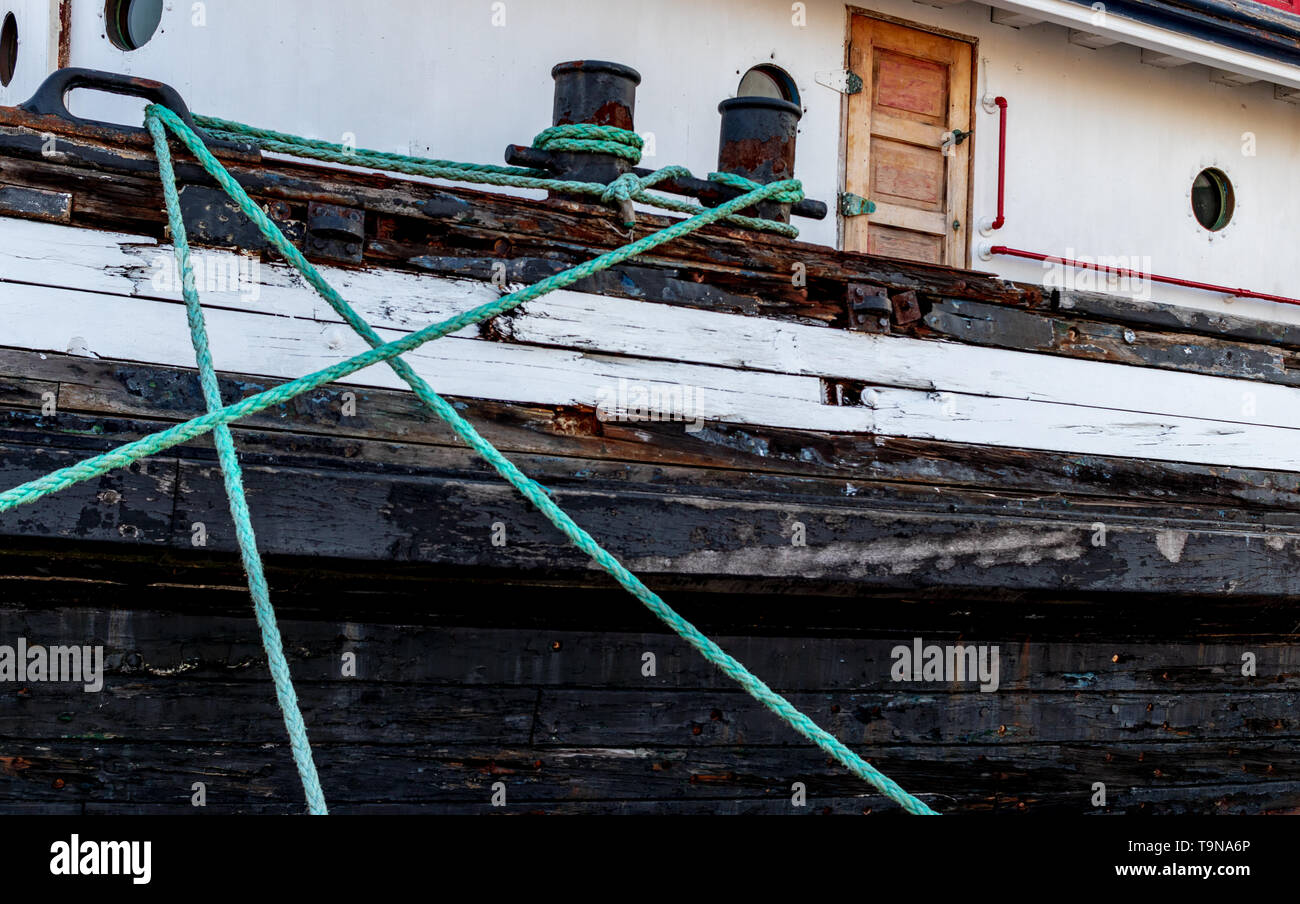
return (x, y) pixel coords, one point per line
(910, 218)
(916, 91)
(911, 85)
(907, 173)
(887, 241)
(907, 130)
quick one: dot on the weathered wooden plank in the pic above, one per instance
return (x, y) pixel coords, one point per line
(1005, 327)
(120, 389)
(21, 391)
(288, 347)
(35, 204)
(1119, 309)
(670, 285)
(434, 518)
(131, 505)
(178, 710)
(283, 347)
(122, 264)
(1071, 429)
(824, 807)
(345, 710)
(911, 715)
(140, 644)
(727, 524)
(175, 581)
(715, 538)
(1149, 778)
(572, 320)
(1213, 541)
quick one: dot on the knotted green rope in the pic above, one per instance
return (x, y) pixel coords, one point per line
(629, 186)
(234, 478)
(592, 139)
(740, 182)
(531, 490)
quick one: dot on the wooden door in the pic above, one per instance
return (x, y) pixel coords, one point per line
(916, 92)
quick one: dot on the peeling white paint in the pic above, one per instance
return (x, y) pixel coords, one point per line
(1171, 543)
(985, 548)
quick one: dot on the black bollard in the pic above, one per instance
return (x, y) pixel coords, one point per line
(597, 93)
(758, 141)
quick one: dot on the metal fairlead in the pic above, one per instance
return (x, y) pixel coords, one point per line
(51, 97)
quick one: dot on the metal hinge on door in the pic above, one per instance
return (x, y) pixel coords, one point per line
(852, 205)
(845, 81)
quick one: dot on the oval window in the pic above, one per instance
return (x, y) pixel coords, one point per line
(768, 81)
(1212, 199)
(8, 50)
(131, 23)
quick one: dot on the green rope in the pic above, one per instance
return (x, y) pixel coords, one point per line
(740, 182)
(238, 132)
(531, 490)
(234, 478)
(592, 139)
(629, 186)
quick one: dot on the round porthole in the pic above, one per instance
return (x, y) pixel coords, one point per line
(768, 81)
(8, 50)
(131, 23)
(1212, 199)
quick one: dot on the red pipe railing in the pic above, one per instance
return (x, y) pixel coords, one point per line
(1122, 271)
(1002, 162)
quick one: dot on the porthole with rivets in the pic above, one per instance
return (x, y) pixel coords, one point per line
(1213, 200)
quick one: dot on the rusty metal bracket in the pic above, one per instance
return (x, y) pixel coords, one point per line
(869, 308)
(907, 308)
(212, 218)
(336, 233)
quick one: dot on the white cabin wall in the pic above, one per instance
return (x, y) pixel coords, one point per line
(1102, 147)
(440, 79)
(38, 36)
